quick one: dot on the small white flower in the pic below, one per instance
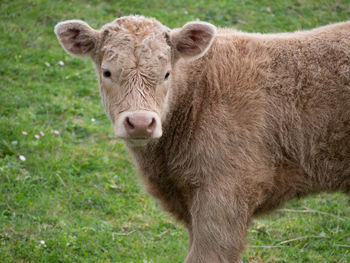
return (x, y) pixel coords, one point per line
(37, 136)
(61, 63)
(24, 133)
(42, 243)
(47, 64)
(42, 133)
(22, 158)
(93, 119)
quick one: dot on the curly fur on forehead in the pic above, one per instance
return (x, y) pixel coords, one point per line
(136, 25)
(137, 38)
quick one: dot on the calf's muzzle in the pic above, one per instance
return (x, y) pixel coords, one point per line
(139, 125)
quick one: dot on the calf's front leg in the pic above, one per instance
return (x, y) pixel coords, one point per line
(218, 227)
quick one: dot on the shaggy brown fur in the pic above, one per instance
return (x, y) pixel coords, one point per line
(256, 121)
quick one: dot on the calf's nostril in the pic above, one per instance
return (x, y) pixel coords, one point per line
(129, 123)
(151, 127)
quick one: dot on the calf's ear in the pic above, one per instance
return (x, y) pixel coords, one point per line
(77, 37)
(192, 40)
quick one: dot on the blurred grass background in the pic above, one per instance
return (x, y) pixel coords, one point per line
(75, 197)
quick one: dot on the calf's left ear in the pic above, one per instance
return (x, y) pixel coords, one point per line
(77, 37)
(192, 40)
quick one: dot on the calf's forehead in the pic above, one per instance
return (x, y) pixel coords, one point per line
(135, 40)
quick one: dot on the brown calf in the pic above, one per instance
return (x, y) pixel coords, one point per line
(224, 125)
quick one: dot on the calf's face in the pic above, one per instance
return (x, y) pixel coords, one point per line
(134, 57)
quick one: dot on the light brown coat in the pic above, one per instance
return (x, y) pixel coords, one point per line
(255, 121)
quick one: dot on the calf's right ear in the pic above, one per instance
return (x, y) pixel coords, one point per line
(77, 37)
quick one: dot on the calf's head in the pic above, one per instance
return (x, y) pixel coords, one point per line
(134, 57)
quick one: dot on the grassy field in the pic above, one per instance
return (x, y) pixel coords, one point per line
(68, 190)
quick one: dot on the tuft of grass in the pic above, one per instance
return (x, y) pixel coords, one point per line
(76, 198)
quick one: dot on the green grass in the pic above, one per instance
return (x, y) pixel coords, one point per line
(76, 197)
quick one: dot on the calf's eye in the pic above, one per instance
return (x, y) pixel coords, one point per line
(107, 73)
(167, 75)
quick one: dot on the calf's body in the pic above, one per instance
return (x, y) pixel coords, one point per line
(253, 122)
